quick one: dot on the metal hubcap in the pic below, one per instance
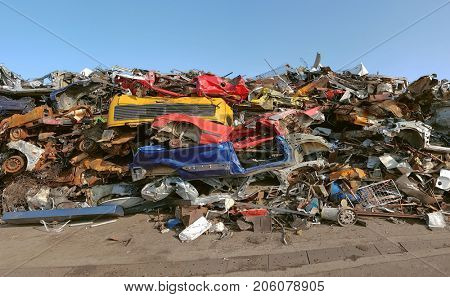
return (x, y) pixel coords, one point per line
(346, 217)
(17, 134)
(14, 164)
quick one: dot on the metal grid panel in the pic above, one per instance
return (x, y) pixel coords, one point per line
(132, 112)
(378, 194)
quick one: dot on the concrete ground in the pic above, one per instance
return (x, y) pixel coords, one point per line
(379, 249)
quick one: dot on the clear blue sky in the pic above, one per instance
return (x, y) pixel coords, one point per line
(225, 36)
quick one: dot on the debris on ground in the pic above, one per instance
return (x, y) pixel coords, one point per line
(122, 238)
(279, 152)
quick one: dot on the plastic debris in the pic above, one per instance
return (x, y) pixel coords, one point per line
(196, 229)
(436, 220)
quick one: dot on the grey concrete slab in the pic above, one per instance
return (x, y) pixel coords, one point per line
(257, 262)
(386, 247)
(325, 255)
(282, 261)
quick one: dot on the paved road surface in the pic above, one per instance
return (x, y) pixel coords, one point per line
(380, 249)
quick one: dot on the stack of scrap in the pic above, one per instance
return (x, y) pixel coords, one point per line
(283, 150)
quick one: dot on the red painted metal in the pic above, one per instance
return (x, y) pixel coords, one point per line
(247, 135)
(214, 86)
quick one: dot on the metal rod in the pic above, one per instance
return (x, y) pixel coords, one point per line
(278, 75)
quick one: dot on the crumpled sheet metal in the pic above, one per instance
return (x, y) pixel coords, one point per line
(107, 135)
(40, 200)
(75, 94)
(210, 132)
(9, 79)
(397, 109)
(440, 118)
(349, 174)
(309, 143)
(290, 120)
(121, 189)
(34, 115)
(352, 114)
(124, 202)
(211, 85)
(416, 134)
(428, 88)
(32, 152)
(319, 83)
(185, 190)
(160, 189)
(143, 83)
(269, 99)
(212, 198)
(388, 161)
(101, 165)
(411, 188)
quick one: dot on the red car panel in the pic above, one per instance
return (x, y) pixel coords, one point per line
(211, 132)
(214, 86)
(250, 134)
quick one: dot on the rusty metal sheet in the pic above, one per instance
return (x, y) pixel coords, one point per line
(31, 118)
(101, 165)
(350, 173)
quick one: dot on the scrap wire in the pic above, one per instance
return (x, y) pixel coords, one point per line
(54, 230)
(283, 231)
(290, 89)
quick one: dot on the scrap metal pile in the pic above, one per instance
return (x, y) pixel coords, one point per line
(283, 151)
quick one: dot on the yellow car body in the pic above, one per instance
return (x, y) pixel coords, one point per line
(127, 110)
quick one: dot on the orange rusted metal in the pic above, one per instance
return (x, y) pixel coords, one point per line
(30, 119)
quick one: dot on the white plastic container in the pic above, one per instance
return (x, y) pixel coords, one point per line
(194, 230)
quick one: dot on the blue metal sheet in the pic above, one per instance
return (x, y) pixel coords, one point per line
(31, 217)
(210, 160)
(220, 155)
